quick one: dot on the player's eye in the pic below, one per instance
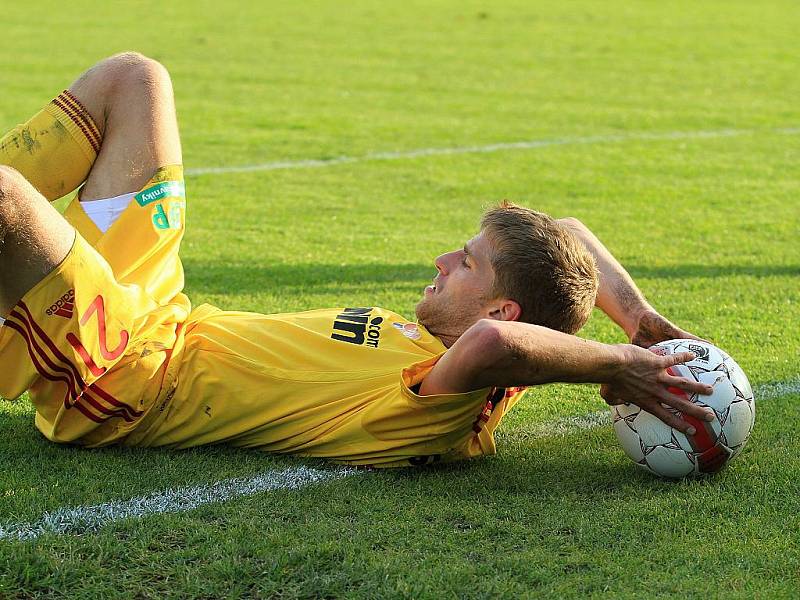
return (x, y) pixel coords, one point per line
(464, 262)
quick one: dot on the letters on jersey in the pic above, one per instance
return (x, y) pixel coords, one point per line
(357, 326)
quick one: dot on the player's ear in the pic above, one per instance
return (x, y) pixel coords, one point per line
(504, 309)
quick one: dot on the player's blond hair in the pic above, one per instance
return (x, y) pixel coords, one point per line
(541, 265)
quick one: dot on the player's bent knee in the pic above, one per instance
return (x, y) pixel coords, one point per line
(8, 176)
(120, 74)
(15, 189)
(134, 68)
(12, 187)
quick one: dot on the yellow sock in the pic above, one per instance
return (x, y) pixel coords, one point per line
(56, 149)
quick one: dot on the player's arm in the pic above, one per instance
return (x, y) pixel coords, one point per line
(620, 298)
(510, 354)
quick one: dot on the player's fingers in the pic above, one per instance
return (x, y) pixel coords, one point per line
(670, 418)
(686, 406)
(687, 385)
(678, 358)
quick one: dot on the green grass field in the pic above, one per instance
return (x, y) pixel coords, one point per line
(674, 130)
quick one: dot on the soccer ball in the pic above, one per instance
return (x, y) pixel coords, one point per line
(664, 451)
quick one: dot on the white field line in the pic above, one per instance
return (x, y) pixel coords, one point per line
(86, 519)
(489, 148)
(83, 519)
(569, 425)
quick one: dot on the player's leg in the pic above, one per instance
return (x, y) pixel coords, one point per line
(34, 238)
(115, 125)
(123, 107)
(130, 98)
(69, 321)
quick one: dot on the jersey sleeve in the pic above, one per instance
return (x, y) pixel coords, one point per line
(432, 428)
(486, 407)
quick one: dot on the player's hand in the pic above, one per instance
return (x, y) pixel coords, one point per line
(643, 380)
(654, 328)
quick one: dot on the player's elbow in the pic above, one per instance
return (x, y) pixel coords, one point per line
(479, 353)
(487, 343)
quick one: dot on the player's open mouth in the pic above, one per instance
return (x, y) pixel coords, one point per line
(431, 289)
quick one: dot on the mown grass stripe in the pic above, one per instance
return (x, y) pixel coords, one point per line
(85, 519)
(489, 148)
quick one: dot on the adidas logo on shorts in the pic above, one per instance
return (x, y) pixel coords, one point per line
(64, 306)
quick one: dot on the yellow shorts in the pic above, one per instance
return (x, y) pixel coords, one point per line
(93, 339)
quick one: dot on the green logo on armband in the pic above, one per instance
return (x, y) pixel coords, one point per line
(160, 191)
(171, 217)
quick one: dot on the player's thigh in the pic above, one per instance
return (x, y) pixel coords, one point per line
(131, 99)
(34, 238)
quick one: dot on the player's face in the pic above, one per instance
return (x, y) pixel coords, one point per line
(460, 292)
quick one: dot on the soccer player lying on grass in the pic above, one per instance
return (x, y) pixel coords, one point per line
(99, 332)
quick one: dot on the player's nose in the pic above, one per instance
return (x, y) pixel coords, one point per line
(443, 261)
(439, 263)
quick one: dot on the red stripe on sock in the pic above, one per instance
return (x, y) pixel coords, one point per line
(85, 113)
(77, 120)
(69, 99)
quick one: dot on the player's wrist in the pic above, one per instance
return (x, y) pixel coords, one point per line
(638, 318)
(614, 364)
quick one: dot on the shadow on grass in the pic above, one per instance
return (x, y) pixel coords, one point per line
(701, 271)
(222, 278)
(45, 475)
(218, 278)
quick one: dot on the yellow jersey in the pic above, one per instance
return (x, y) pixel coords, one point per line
(336, 383)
